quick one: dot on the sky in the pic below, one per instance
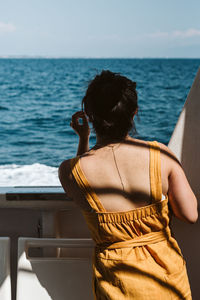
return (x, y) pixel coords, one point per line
(100, 28)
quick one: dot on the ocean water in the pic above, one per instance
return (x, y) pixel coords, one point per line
(38, 97)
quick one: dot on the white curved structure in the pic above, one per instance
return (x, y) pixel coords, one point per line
(185, 143)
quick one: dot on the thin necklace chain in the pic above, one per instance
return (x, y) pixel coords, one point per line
(114, 157)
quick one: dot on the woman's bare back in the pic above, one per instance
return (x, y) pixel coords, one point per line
(119, 174)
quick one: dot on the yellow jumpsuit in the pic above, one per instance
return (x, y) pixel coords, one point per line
(135, 255)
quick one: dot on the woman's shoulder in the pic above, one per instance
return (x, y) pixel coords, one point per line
(66, 166)
(65, 175)
(168, 154)
(64, 170)
(168, 158)
(148, 143)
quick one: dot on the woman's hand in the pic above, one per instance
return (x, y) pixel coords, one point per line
(82, 129)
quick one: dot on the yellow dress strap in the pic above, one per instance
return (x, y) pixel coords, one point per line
(155, 172)
(83, 183)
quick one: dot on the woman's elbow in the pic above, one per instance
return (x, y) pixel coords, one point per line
(193, 219)
(190, 217)
(194, 215)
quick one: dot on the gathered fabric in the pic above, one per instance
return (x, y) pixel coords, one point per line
(135, 256)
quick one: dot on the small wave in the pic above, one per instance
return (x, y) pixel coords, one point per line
(28, 175)
(3, 108)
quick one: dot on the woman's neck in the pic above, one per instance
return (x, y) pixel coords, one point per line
(102, 141)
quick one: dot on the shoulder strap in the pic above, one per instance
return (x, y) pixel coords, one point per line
(155, 172)
(82, 182)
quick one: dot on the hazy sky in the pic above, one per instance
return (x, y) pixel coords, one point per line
(100, 28)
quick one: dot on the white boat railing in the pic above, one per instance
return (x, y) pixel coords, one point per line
(43, 273)
(5, 281)
(40, 213)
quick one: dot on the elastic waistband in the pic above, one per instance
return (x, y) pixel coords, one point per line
(143, 240)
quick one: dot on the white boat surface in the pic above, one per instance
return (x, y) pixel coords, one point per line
(185, 143)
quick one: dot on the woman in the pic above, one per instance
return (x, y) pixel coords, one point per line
(123, 187)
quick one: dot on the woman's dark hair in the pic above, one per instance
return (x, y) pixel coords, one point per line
(110, 103)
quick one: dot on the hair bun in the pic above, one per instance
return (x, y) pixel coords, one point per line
(110, 103)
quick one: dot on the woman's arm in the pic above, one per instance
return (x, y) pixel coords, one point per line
(64, 170)
(82, 130)
(181, 197)
(65, 177)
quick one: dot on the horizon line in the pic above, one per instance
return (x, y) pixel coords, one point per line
(88, 57)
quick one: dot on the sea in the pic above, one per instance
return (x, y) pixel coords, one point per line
(39, 95)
